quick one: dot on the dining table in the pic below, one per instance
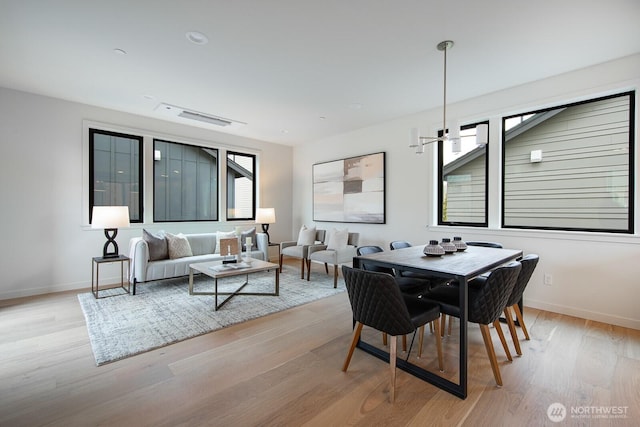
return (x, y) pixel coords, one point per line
(460, 266)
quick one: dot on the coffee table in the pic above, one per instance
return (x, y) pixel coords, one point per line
(218, 270)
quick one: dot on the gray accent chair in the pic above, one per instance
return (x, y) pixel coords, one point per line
(292, 249)
(320, 253)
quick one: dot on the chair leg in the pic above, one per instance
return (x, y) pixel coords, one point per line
(308, 270)
(442, 323)
(486, 336)
(354, 341)
(516, 308)
(302, 270)
(420, 339)
(436, 322)
(512, 330)
(384, 338)
(498, 328)
(392, 365)
(281, 262)
(450, 323)
(326, 268)
(335, 276)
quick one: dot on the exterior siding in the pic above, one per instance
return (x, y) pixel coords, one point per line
(582, 181)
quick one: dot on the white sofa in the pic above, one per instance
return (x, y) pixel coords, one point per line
(203, 247)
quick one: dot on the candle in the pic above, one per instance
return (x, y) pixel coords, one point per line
(248, 242)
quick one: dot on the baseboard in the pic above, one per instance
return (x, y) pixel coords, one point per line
(584, 314)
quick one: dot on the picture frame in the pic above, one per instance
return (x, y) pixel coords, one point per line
(350, 190)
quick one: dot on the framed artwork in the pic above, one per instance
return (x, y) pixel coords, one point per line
(350, 190)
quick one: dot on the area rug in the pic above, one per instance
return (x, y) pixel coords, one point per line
(163, 312)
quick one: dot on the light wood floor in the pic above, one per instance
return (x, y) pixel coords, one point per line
(284, 369)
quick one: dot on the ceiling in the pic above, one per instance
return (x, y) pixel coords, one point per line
(295, 70)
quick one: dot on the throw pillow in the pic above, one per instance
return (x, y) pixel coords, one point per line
(223, 235)
(252, 234)
(338, 239)
(178, 246)
(157, 245)
(306, 236)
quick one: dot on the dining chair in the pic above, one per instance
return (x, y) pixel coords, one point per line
(415, 286)
(300, 249)
(401, 244)
(376, 301)
(486, 301)
(484, 244)
(529, 263)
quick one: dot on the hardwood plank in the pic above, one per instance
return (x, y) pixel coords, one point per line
(285, 369)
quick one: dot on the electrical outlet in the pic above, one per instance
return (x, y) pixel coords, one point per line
(548, 279)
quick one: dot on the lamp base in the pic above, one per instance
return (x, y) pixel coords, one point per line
(265, 230)
(110, 234)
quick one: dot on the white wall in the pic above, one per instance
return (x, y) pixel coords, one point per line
(595, 276)
(46, 244)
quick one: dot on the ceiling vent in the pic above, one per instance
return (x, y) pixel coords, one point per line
(174, 111)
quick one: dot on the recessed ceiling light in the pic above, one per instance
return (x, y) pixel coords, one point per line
(196, 37)
(150, 97)
(355, 106)
(322, 118)
(119, 51)
(284, 131)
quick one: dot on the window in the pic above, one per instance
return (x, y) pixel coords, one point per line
(570, 167)
(115, 171)
(462, 180)
(185, 179)
(241, 186)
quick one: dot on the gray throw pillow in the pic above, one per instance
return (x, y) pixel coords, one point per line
(157, 244)
(250, 233)
(178, 245)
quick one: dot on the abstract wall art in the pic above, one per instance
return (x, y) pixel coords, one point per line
(350, 190)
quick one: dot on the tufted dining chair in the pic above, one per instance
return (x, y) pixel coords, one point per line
(529, 263)
(487, 299)
(335, 256)
(408, 285)
(296, 249)
(376, 301)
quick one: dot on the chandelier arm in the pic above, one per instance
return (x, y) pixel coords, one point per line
(444, 96)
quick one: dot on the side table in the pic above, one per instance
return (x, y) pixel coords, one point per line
(277, 245)
(95, 273)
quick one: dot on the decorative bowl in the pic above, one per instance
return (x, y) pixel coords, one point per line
(460, 245)
(433, 249)
(448, 247)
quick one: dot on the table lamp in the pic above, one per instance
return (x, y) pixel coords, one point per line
(266, 216)
(110, 218)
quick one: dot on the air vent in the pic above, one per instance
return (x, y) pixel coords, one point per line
(174, 111)
(204, 118)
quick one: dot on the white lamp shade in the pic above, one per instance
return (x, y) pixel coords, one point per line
(454, 131)
(110, 217)
(482, 134)
(266, 216)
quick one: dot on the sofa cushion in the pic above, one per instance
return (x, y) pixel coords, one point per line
(157, 244)
(178, 246)
(252, 234)
(306, 236)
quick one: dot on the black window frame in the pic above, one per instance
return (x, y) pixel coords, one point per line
(217, 196)
(253, 185)
(440, 197)
(631, 173)
(140, 139)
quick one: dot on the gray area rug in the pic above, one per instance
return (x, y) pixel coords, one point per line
(163, 312)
